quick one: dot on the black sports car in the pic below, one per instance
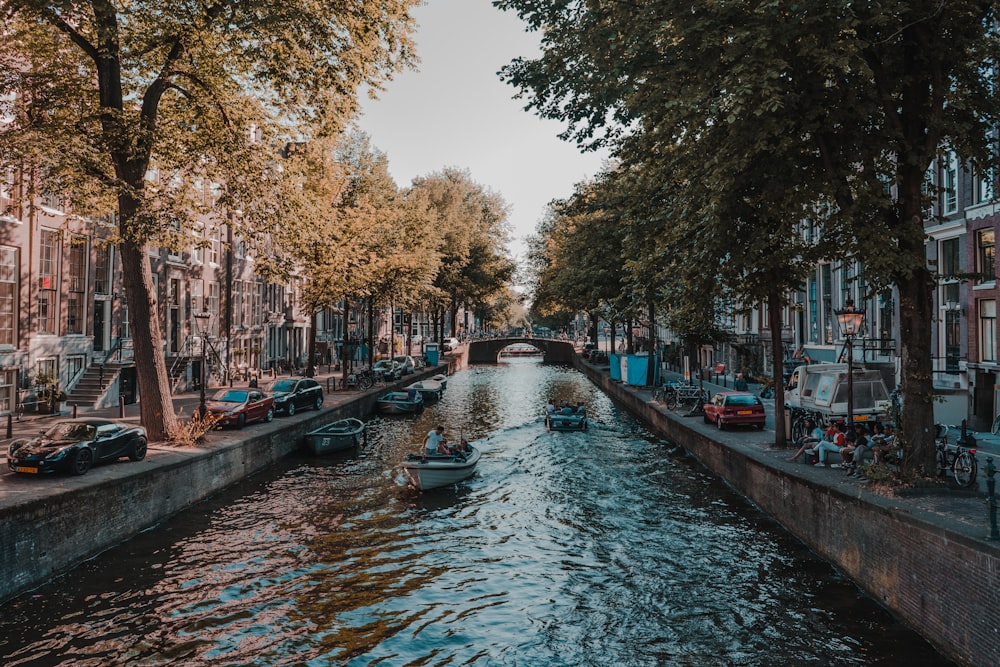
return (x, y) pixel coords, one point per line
(75, 445)
(292, 394)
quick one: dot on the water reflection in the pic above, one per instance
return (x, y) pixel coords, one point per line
(597, 548)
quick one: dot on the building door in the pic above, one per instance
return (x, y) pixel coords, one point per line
(100, 325)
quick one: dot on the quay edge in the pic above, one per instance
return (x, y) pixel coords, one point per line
(941, 578)
(43, 535)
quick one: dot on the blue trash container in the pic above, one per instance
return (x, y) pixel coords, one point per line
(432, 354)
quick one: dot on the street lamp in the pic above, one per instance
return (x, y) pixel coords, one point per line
(202, 319)
(850, 321)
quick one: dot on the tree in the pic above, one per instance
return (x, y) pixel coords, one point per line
(471, 223)
(871, 92)
(99, 93)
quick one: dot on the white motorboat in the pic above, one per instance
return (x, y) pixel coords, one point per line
(432, 472)
(431, 390)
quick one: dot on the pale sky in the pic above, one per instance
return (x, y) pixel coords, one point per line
(455, 112)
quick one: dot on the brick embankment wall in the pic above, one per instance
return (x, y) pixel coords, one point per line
(940, 577)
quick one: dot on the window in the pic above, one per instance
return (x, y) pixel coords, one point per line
(48, 281)
(102, 269)
(987, 330)
(826, 295)
(8, 390)
(986, 255)
(948, 258)
(77, 285)
(949, 184)
(198, 249)
(9, 288)
(213, 300)
(982, 187)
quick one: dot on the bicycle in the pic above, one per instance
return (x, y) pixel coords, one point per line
(681, 395)
(995, 429)
(961, 461)
(800, 420)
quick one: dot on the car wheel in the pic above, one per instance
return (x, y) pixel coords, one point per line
(241, 421)
(291, 408)
(82, 460)
(138, 450)
(718, 422)
(319, 403)
(270, 415)
(760, 426)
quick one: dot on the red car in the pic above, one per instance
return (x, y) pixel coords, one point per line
(730, 408)
(238, 407)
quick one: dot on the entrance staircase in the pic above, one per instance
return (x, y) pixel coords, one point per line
(91, 388)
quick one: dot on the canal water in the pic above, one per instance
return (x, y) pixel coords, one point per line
(602, 548)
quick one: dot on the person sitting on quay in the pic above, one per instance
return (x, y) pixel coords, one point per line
(856, 447)
(883, 442)
(814, 434)
(837, 441)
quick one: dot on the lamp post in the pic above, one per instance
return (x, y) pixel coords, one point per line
(850, 321)
(202, 319)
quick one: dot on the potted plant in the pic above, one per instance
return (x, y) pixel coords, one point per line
(48, 394)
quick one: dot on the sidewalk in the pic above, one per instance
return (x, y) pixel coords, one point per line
(967, 507)
(185, 404)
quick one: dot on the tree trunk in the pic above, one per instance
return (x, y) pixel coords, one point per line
(310, 365)
(774, 306)
(651, 366)
(156, 406)
(345, 346)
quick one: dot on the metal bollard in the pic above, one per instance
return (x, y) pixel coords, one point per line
(10, 427)
(121, 407)
(991, 488)
(74, 410)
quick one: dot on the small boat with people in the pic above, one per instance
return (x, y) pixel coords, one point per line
(340, 435)
(431, 390)
(437, 470)
(408, 402)
(566, 418)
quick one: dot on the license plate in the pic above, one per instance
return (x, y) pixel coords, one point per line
(744, 412)
(862, 418)
(25, 469)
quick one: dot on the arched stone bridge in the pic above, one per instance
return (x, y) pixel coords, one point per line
(487, 350)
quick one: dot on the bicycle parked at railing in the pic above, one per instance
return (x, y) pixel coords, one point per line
(960, 461)
(362, 380)
(675, 395)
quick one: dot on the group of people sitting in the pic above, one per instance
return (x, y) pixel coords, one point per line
(852, 446)
(436, 445)
(553, 408)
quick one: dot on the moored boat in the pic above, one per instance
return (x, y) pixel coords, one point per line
(344, 434)
(432, 472)
(520, 350)
(442, 378)
(566, 419)
(400, 403)
(431, 390)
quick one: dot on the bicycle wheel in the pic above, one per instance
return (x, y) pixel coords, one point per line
(670, 399)
(965, 469)
(658, 394)
(940, 461)
(798, 429)
(996, 426)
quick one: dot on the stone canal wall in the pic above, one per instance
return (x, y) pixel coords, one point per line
(43, 534)
(940, 577)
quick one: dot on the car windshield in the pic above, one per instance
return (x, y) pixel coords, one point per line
(742, 400)
(71, 431)
(282, 385)
(231, 396)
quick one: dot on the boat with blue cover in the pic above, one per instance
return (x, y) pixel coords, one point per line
(566, 419)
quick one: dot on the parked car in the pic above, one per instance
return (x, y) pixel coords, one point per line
(407, 362)
(388, 370)
(293, 394)
(449, 344)
(74, 445)
(729, 408)
(238, 407)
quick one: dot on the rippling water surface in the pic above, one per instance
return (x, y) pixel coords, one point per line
(600, 548)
